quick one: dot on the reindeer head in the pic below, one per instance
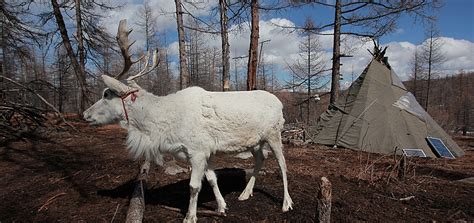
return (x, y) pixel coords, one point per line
(110, 108)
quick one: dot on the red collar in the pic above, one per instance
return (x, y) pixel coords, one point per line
(133, 97)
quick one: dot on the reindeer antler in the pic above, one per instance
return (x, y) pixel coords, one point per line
(123, 42)
(147, 69)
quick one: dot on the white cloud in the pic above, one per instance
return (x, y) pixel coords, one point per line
(163, 10)
(459, 55)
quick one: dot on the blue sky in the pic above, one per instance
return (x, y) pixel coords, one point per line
(455, 22)
(455, 19)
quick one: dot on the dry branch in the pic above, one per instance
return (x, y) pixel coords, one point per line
(42, 99)
(49, 201)
(115, 214)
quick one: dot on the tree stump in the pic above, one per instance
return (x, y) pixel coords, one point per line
(402, 168)
(323, 213)
(137, 202)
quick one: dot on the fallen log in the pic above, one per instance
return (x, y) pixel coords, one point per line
(137, 202)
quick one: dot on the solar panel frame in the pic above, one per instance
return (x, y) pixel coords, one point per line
(408, 153)
(435, 147)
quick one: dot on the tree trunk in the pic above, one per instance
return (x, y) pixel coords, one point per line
(336, 55)
(309, 80)
(430, 63)
(183, 67)
(225, 46)
(253, 49)
(415, 72)
(80, 75)
(81, 52)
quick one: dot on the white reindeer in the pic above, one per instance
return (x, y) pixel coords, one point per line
(193, 124)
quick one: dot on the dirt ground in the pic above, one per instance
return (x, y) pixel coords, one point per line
(87, 176)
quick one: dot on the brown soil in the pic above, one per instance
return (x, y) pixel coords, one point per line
(88, 176)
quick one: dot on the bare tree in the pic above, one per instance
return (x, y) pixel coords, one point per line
(17, 32)
(370, 19)
(308, 69)
(225, 45)
(147, 23)
(432, 57)
(90, 38)
(183, 67)
(78, 68)
(416, 70)
(464, 110)
(253, 48)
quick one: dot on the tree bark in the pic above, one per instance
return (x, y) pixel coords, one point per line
(308, 111)
(324, 201)
(80, 75)
(336, 55)
(253, 49)
(415, 72)
(183, 67)
(430, 63)
(225, 46)
(81, 52)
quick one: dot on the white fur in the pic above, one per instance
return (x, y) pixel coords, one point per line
(194, 124)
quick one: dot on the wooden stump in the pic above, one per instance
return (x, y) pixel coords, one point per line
(402, 168)
(137, 202)
(323, 213)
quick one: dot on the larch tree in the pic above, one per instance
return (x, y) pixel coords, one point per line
(365, 19)
(253, 48)
(432, 57)
(225, 45)
(17, 32)
(183, 67)
(147, 23)
(89, 37)
(417, 70)
(307, 71)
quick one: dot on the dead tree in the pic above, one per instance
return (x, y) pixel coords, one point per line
(307, 70)
(89, 35)
(432, 57)
(253, 49)
(225, 46)
(78, 69)
(183, 67)
(147, 23)
(371, 18)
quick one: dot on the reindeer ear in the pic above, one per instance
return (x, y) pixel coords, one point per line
(115, 85)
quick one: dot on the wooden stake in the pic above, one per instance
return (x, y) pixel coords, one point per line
(137, 202)
(323, 213)
(402, 168)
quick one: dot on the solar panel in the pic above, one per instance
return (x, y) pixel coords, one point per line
(440, 149)
(414, 152)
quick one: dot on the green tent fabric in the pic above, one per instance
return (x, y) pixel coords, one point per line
(377, 114)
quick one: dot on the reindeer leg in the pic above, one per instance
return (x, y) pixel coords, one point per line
(259, 159)
(276, 146)
(198, 164)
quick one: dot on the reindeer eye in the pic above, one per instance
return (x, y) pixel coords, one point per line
(106, 94)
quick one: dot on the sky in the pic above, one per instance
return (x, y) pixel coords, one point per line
(455, 21)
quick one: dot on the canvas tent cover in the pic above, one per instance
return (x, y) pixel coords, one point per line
(377, 114)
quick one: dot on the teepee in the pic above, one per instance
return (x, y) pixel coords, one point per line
(378, 114)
